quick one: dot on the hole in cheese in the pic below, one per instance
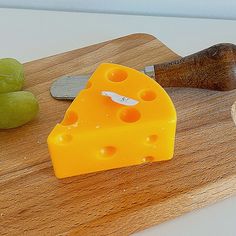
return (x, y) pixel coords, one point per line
(129, 115)
(148, 95)
(117, 75)
(70, 118)
(148, 159)
(107, 151)
(152, 138)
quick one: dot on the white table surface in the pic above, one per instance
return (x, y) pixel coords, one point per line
(28, 35)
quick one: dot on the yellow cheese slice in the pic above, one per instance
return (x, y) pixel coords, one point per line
(121, 118)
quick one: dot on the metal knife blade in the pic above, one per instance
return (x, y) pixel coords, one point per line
(67, 87)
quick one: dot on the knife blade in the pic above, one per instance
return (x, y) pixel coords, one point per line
(67, 87)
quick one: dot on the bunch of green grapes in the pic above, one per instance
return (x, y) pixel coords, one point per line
(16, 107)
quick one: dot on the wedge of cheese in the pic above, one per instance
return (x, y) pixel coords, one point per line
(98, 133)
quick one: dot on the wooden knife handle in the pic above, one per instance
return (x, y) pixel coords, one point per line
(212, 68)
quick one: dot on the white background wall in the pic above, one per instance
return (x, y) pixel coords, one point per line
(224, 9)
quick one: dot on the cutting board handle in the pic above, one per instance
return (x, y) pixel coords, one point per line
(213, 68)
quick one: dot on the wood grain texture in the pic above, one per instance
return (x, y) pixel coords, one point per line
(126, 200)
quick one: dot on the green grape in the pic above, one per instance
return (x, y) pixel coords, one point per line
(11, 75)
(17, 108)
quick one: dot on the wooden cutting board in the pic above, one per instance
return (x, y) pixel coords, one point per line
(121, 201)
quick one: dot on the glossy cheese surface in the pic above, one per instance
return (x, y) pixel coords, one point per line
(100, 134)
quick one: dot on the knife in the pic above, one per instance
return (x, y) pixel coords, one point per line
(212, 68)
